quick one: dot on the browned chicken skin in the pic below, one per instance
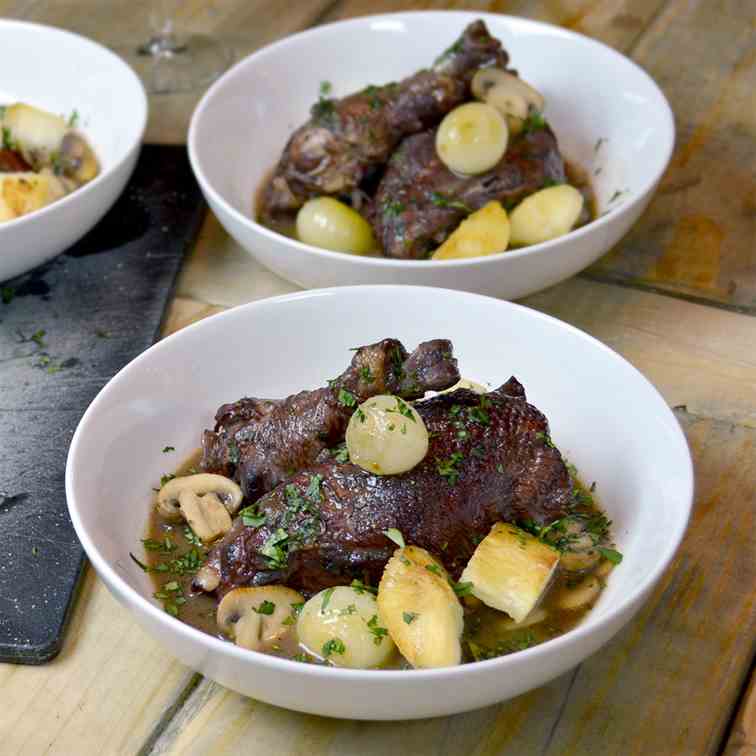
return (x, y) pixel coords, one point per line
(489, 460)
(346, 139)
(262, 442)
(419, 201)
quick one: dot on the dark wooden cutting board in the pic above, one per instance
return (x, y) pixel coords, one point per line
(65, 329)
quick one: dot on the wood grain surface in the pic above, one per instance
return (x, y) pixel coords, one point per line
(675, 297)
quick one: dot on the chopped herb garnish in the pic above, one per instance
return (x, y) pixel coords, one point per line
(617, 195)
(8, 139)
(447, 468)
(167, 449)
(7, 293)
(347, 610)
(434, 568)
(192, 537)
(327, 594)
(403, 409)
(360, 587)
(166, 478)
(325, 88)
(301, 657)
(234, 453)
(599, 142)
(267, 607)
(366, 375)
(409, 617)
(38, 337)
(549, 182)
(333, 646)
(463, 589)
(546, 438)
(440, 201)
(377, 631)
(534, 122)
(341, 453)
(274, 550)
(346, 398)
(166, 546)
(361, 416)
(396, 536)
(611, 555)
(393, 208)
(252, 517)
(73, 119)
(479, 415)
(313, 489)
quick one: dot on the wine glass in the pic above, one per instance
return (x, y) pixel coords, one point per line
(169, 62)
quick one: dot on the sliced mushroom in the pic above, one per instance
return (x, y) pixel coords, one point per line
(77, 159)
(206, 515)
(207, 579)
(579, 596)
(509, 94)
(256, 618)
(203, 483)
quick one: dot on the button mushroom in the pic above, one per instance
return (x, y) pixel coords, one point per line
(77, 158)
(256, 618)
(206, 501)
(510, 95)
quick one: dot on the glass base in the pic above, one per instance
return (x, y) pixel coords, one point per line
(168, 66)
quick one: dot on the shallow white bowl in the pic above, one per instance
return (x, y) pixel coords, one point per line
(604, 415)
(595, 97)
(63, 72)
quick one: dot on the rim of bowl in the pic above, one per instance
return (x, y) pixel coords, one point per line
(638, 197)
(169, 625)
(115, 166)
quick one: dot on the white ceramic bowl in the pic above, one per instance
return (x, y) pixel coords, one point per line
(594, 95)
(604, 415)
(62, 72)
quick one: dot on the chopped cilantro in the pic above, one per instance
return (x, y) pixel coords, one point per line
(463, 589)
(440, 201)
(167, 449)
(393, 208)
(274, 548)
(403, 409)
(341, 453)
(327, 594)
(192, 537)
(166, 478)
(447, 468)
(38, 337)
(366, 375)
(333, 646)
(546, 438)
(359, 587)
(325, 88)
(409, 617)
(267, 607)
(378, 632)
(396, 536)
(347, 398)
(534, 122)
(434, 568)
(611, 555)
(252, 517)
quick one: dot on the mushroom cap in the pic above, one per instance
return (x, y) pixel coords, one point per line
(245, 614)
(200, 484)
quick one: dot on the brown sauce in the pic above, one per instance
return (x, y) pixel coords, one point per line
(169, 556)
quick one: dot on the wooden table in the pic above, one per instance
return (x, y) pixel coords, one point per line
(677, 297)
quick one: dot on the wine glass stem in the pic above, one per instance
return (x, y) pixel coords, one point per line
(164, 41)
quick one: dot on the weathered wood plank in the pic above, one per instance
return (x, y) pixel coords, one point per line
(742, 740)
(649, 691)
(698, 236)
(102, 694)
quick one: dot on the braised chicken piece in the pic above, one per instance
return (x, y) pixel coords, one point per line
(346, 140)
(261, 442)
(419, 201)
(326, 526)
